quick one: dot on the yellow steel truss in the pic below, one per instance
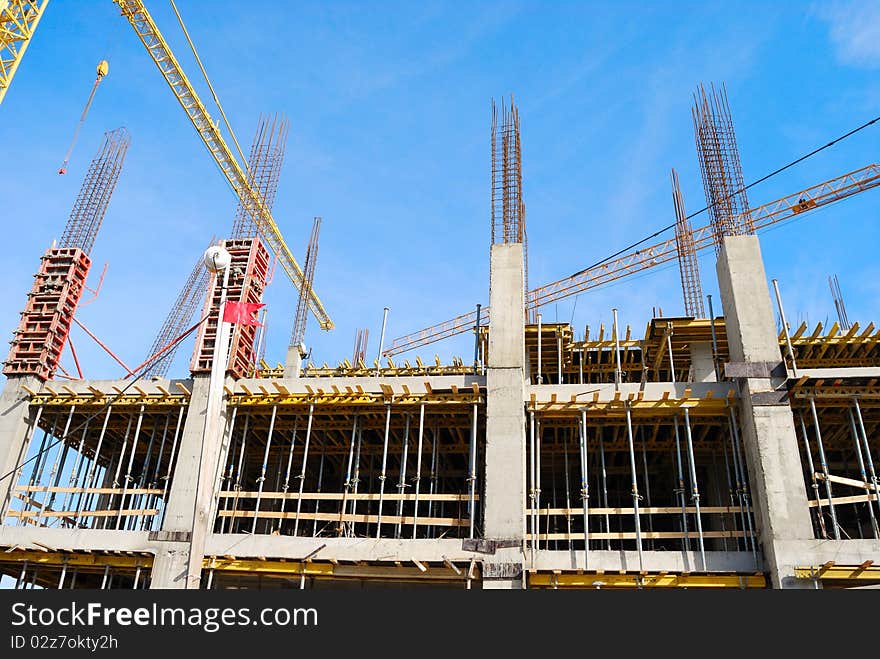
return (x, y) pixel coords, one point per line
(147, 31)
(18, 21)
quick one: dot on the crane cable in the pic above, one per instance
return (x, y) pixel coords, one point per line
(102, 70)
(735, 192)
(192, 47)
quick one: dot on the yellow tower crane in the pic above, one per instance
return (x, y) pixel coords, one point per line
(145, 27)
(18, 22)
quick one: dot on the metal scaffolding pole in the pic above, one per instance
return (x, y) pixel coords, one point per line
(585, 486)
(262, 478)
(418, 477)
(472, 474)
(862, 473)
(868, 458)
(302, 473)
(635, 485)
(824, 464)
(695, 489)
(384, 465)
(401, 483)
(681, 487)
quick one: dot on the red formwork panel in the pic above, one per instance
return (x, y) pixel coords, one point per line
(38, 341)
(247, 280)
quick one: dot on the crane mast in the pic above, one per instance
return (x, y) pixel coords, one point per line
(148, 32)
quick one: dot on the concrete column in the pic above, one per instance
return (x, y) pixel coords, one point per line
(504, 490)
(767, 425)
(702, 366)
(16, 419)
(293, 362)
(187, 520)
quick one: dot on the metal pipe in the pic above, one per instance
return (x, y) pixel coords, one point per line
(862, 473)
(62, 450)
(381, 341)
(647, 486)
(171, 464)
(539, 380)
(742, 483)
(618, 375)
(824, 464)
(128, 479)
(356, 479)
(477, 341)
(346, 486)
(262, 478)
(868, 458)
(318, 500)
(433, 475)
(695, 488)
(418, 477)
(567, 485)
(635, 485)
(302, 473)
(233, 524)
(532, 489)
(604, 484)
(785, 328)
(152, 498)
(714, 340)
(63, 574)
(669, 350)
(585, 486)
(681, 488)
(820, 516)
(286, 484)
(401, 483)
(559, 355)
(41, 457)
(73, 480)
(472, 473)
(140, 481)
(104, 580)
(21, 577)
(581, 367)
(382, 473)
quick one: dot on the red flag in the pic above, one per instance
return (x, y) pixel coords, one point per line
(241, 313)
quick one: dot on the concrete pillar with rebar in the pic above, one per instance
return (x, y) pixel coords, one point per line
(768, 429)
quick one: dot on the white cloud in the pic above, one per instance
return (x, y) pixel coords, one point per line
(854, 27)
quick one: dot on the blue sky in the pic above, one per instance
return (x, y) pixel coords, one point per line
(389, 106)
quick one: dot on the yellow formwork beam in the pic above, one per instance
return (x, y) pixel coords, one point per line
(242, 566)
(865, 573)
(599, 580)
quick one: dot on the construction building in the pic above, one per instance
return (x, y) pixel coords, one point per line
(717, 449)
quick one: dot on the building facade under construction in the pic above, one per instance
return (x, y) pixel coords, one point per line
(715, 449)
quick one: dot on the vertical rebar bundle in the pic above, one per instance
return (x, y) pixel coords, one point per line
(691, 286)
(360, 346)
(839, 306)
(189, 299)
(720, 164)
(507, 206)
(302, 305)
(264, 169)
(97, 188)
